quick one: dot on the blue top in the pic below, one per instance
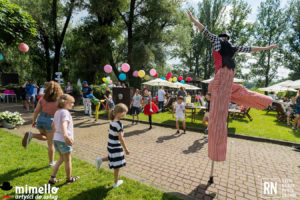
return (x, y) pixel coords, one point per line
(29, 89)
(298, 105)
(86, 91)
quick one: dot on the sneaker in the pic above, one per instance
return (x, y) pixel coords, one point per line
(120, 182)
(85, 114)
(51, 164)
(137, 123)
(184, 132)
(98, 163)
(27, 138)
(90, 115)
(177, 132)
(206, 139)
(206, 131)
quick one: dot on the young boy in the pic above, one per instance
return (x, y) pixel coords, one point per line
(179, 107)
(86, 90)
(96, 102)
(136, 105)
(206, 116)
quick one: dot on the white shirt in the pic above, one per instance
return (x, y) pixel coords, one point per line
(60, 116)
(161, 95)
(137, 100)
(179, 108)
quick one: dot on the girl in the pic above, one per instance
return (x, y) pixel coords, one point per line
(43, 117)
(63, 137)
(109, 101)
(116, 143)
(150, 108)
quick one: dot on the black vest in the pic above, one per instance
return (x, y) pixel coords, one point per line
(227, 52)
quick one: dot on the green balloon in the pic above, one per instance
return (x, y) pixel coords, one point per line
(106, 83)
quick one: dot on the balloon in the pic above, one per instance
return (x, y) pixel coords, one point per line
(174, 79)
(189, 79)
(122, 77)
(110, 82)
(125, 67)
(107, 69)
(1, 56)
(152, 72)
(156, 75)
(170, 74)
(104, 80)
(147, 77)
(182, 81)
(23, 47)
(163, 78)
(135, 73)
(106, 83)
(107, 78)
(180, 78)
(170, 79)
(141, 73)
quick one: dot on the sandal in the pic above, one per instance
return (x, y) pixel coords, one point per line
(73, 179)
(53, 182)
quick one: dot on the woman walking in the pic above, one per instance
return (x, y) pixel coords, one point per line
(43, 117)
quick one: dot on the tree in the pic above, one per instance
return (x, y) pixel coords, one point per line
(15, 24)
(268, 30)
(292, 53)
(148, 25)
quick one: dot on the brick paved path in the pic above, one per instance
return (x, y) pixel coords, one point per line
(179, 163)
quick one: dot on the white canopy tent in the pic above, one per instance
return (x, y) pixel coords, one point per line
(235, 80)
(277, 88)
(292, 84)
(158, 82)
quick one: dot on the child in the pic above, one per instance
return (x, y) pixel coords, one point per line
(63, 137)
(206, 116)
(116, 143)
(179, 107)
(136, 105)
(198, 97)
(150, 108)
(109, 101)
(96, 102)
(86, 90)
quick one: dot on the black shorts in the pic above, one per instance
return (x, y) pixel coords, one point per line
(135, 110)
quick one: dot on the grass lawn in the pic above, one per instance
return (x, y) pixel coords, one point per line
(28, 167)
(263, 125)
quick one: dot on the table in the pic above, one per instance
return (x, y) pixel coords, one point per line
(7, 96)
(193, 112)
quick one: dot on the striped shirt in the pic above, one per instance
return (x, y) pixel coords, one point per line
(115, 150)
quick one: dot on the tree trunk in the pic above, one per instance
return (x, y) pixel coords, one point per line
(131, 79)
(47, 55)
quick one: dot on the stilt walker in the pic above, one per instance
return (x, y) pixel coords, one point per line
(223, 91)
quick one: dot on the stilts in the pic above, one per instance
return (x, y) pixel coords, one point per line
(211, 178)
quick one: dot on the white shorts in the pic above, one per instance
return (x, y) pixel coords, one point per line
(206, 114)
(180, 116)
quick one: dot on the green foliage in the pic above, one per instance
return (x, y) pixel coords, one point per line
(15, 24)
(99, 91)
(76, 90)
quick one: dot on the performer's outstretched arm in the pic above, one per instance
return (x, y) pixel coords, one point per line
(210, 36)
(255, 49)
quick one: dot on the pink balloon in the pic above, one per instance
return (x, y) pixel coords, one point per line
(135, 73)
(168, 77)
(189, 79)
(170, 74)
(107, 69)
(180, 78)
(156, 75)
(23, 47)
(152, 72)
(110, 82)
(125, 67)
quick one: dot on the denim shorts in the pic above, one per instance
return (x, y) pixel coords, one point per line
(44, 122)
(111, 105)
(62, 147)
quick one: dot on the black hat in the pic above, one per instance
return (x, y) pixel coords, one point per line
(6, 186)
(224, 35)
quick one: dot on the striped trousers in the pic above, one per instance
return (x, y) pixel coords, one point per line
(223, 91)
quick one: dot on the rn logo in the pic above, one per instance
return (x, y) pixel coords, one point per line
(271, 188)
